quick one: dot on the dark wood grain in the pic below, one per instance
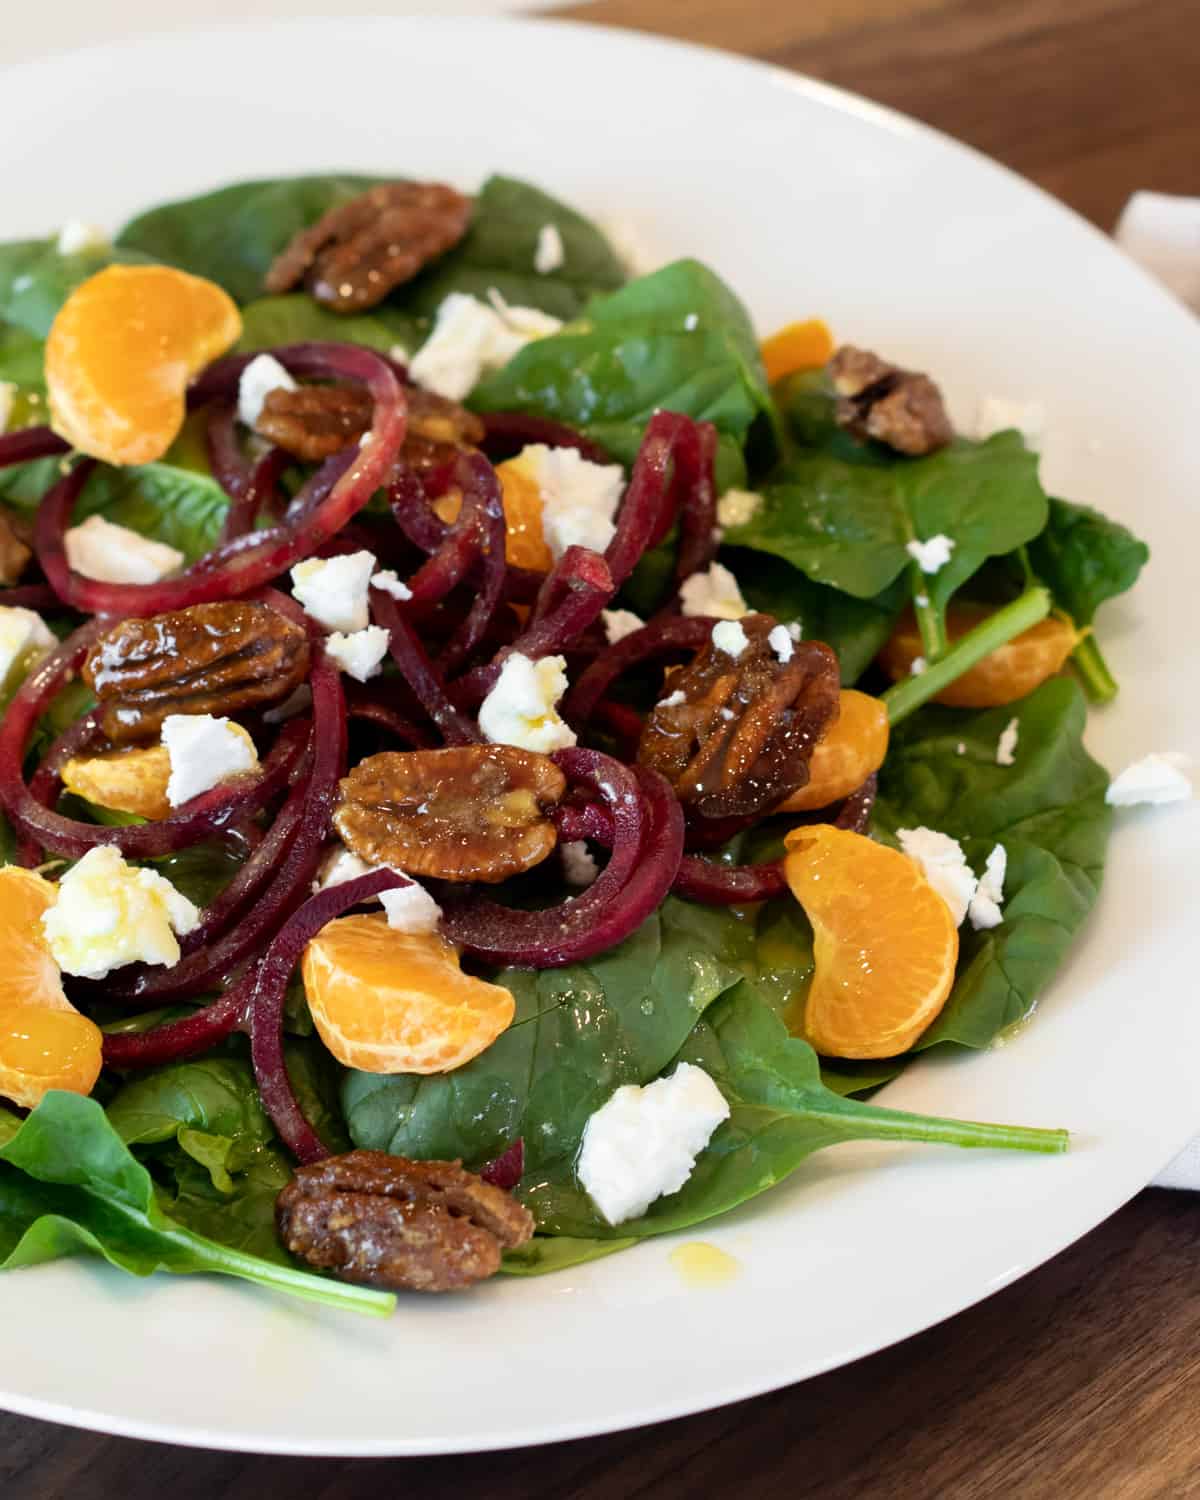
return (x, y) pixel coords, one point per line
(1083, 1380)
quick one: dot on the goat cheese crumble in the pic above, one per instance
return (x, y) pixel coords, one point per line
(933, 554)
(1157, 778)
(77, 235)
(579, 864)
(643, 1142)
(945, 866)
(1006, 745)
(737, 507)
(391, 584)
(359, 654)
(579, 498)
(261, 376)
(618, 623)
(729, 637)
(782, 642)
(113, 554)
(470, 338)
(714, 592)
(984, 910)
(25, 639)
(333, 590)
(410, 908)
(522, 708)
(673, 700)
(549, 255)
(204, 751)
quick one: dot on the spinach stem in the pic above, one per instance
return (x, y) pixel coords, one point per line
(930, 620)
(1099, 682)
(987, 636)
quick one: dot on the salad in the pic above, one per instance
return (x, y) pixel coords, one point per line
(498, 763)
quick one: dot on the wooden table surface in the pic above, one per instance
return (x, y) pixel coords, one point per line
(1084, 1378)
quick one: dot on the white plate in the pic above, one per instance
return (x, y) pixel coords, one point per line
(808, 201)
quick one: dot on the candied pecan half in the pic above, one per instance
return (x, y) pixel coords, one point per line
(319, 420)
(15, 550)
(421, 1226)
(880, 400)
(208, 659)
(740, 739)
(472, 812)
(354, 255)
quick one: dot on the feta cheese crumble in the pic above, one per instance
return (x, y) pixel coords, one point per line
(579, 498)
(390, 584)
(643, 1142)
(781, 642)
(359, 654)
(984, 909)
(114, 554)
(729, 637)
(737, 507)
(997, 414)
(714, 593)
(261, 376)
(8, 396)
(618, 623)
(919, 664)
(470, 337)
(945, 866)
(109, 913)
(579, 865)
(333, 590)
(1006, 745)
(338, 866)
(673, 700)
(25, 639)
(549, 255)
(77, 236)
(204, 752)
(1158, 778)
(522, 708)
(931, 555)
(691, 322)
(410, 908)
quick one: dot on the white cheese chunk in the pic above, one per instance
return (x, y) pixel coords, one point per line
(945, 866)
(933, 554)
(410, 908)
(715, 593)
(261, 376)
(390, 584)
(1006, 745)
(579, 865)
(673, 700)
(781, 642)
(471, 337)
(737, 507)
(114, 554)
(729, 637)
(1158, 778)
(579, 498)
(25, 639)
(204, 752)
(333, 590)
(338, 866)
(996, 414)
(984, 909)
(8, 397)
(919, 665)
(522, 707)
(109, 913)
(399, 353)
(77, 235)
(549, 255)
(643, 1142)
(618, 623)
(359, 654)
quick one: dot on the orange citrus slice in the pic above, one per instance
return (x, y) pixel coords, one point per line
(129, 781)
(798, 346)
(44, 1042)
(885, 943)
(1010, 672)
(525, 544)
(121, 351)
(397, 1002)
(852, 747)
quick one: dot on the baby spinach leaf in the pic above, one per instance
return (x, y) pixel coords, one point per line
(213, 1095)
(846, 521)
(545, 1253)
(678, 339)
(36, 278)
(1086, 558)
(233, 234)
(579, 1033)
(69, 1185)
(1048, 811)
(780, 1114)
(21, 355)
(498, 252)
(296, 318)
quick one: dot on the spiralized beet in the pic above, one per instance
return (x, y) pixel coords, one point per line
(29, 443)
(484, 502)
(417, 670)
(697, 503)
(647, 844)
(45, 784)
(251, 487)
(667, 467)
(37, 596)
(728, 885)
(507, 432)
(248, 561)
(665, 637)
(854, 814)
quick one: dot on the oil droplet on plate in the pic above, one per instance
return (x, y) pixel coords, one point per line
(704, 1265)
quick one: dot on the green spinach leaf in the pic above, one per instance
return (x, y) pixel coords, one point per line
(296, 318)
(1086, 558)
(36, 278)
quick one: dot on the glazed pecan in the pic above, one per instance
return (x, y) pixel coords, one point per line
(880, 400)
(354, 255)
(319, 420)
(421, 1226)
(472, 812)
(740, 738)
(15, 551)
(208, 659)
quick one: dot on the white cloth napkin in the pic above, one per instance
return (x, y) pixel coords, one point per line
(1162, 233)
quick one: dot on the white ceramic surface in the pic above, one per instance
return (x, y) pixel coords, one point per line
(809, 201)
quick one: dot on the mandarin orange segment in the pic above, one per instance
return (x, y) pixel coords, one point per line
(885, 944)
(129, 781)
(525, 545)
(30, 974)
(121, 351)
(1010, 672)
(43, 1049)
(799, 346)
(852, 748)
(395, 1002)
